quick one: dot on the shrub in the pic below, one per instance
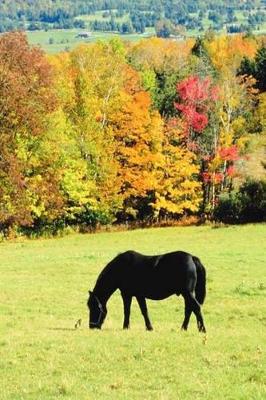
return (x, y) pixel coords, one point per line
(246, 205)
(228, 209)
(252, 195)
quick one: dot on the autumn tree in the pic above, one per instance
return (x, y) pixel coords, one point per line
(90, 95)
(138, 139)
(197, 106)
(226, 52)
(29, 183)
(179, 192)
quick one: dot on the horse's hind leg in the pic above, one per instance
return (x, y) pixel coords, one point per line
(188, 311)
(195, 307)
(127, 299)
(144, 311)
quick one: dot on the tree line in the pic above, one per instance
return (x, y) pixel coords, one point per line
(115, 132)
(63, 14)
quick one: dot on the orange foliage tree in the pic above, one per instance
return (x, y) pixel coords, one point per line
(138, 138)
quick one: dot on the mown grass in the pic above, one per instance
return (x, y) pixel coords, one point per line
(43, 292)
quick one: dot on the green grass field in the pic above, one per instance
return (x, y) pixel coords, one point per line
(57, 40)
(44, 286)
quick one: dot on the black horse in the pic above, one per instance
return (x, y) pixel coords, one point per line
(152, 277)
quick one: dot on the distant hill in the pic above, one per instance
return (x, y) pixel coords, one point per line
(128, 16)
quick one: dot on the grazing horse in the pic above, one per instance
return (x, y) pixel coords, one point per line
(151, 277)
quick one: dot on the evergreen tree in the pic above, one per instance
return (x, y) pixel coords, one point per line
(260, 68)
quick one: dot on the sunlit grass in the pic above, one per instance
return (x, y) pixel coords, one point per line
(43, 291)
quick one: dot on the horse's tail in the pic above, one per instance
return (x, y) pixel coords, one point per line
(200, 289)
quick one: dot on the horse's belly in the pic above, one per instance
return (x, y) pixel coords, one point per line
(159, 292)
(159, 296)
(156, 286)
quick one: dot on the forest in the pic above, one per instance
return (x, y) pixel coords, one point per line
(123, 133)
(168, 17)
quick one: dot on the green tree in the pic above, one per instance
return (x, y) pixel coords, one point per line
(164, 28)
(260, 68)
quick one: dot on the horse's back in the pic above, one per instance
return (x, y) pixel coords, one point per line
(155, 277)
(135, 258)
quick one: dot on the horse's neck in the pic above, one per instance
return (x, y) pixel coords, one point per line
(104, 288)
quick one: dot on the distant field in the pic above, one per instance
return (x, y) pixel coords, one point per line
(57, 40)
(43, 291)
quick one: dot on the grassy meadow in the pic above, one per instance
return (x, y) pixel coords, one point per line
(44, 286)
(57, 40)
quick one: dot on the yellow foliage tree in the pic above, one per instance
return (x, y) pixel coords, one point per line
(226, 52)
(179, 191)
(89, 83)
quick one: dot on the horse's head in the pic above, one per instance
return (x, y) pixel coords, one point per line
(97, 310)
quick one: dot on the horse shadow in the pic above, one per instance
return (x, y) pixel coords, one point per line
(62, 329)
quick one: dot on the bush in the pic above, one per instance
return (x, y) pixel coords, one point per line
(246, 205)
(252, 195)
(90, 219)
(228, 209)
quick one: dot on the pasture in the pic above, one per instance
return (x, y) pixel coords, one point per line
(58, 40)
(44, 286)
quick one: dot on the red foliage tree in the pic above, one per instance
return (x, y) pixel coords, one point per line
(197, 103)
(196, 96)
(229, 153)
(26, 99)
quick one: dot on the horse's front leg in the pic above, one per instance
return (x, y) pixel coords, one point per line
(144, 311)
(127, 299)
